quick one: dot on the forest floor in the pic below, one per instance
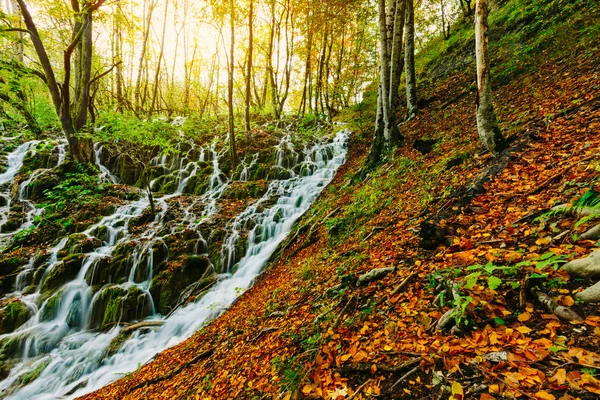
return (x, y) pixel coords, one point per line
(309, 328)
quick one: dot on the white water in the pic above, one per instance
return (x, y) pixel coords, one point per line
(76, 357)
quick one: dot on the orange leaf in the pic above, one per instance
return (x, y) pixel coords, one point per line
(543, 395)
(524, 317)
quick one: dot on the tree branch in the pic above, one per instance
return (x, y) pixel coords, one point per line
(102, 75)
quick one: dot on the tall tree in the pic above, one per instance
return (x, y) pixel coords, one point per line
(232, 149)
(160, 57)
(397, 60)
(61, 94)
(487, 125)
(249, 65)
(409, 62)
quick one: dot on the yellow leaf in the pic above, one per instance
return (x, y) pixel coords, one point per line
(543, 395)
(387, 347)
(457, 391)
(524, 329)
(345, 357)
(307, 389)
(524, 317)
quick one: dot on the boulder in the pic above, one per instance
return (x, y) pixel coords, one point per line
(13, 316)
(591, 234)
(587, 267)
(591, 294)
(62, 272)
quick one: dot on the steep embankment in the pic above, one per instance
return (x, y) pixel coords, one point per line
(316, 325)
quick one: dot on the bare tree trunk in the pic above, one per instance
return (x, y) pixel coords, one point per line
(397, 60)
(232, 148)
(378, 140)
(160, 57)
(84, 74)
(144, 49)
(118, 55)
(391, 134)
(249, 66)
(409, 62)
(487, 125)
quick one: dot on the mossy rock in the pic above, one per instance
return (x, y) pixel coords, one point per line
(45, 181)
(196, 267)
(82, 243)
(32, 375)
(101, 232)
(149, 174)
(215, 241)
(10, 347)
(116, 304)
(128, 170)
(51, 307)
(245, 190)
(62, 272)
(12, 224)
(8, 264)
(40, 159)
(13, 316)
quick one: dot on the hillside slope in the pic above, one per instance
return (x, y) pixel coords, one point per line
(311, 327)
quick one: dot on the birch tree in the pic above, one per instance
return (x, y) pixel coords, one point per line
(487, 125)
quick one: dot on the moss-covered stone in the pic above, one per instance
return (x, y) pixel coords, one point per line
(63, 272)
(34, 373)
(13, 316)
(44, 181)
(8, 264)
(9, 347)
(82, 243)
(51, 307)
(116, 304)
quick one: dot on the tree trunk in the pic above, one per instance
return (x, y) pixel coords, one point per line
(232, 149)
(84, 75)
(249, 66)
(397, 60)
(487, 125)
(378, 140)
(144, 48)
(160, 57)
(391, 133)
(409, 62)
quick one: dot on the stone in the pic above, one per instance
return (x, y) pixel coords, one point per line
(62, 272)
(587, 267)
(373, 275)
(590, 295)
(13, 316)
(591, 234)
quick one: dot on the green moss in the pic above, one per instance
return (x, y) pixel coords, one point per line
(13, 316)
(34, 373)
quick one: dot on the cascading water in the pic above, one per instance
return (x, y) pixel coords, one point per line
(76, 357)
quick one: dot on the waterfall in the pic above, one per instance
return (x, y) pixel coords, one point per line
(77, 357)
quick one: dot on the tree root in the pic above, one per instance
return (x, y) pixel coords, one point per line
(176, 371)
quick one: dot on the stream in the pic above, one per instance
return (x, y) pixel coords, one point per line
(74, 357)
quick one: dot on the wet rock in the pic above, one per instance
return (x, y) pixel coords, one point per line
(128, 170)
(51, 307)
(82, 243)
(12, 316)
(45, 181)
(63, 272)
(587, 267)
(9, 264)
(116, 304)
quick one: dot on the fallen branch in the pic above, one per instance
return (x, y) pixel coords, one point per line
(375, 228)
(176, 371)
(406, 376)
(360, 388)
(143, 324)
(366, 367)
(338, 320)
(403, 284)
(499, 379)
(265, 330)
